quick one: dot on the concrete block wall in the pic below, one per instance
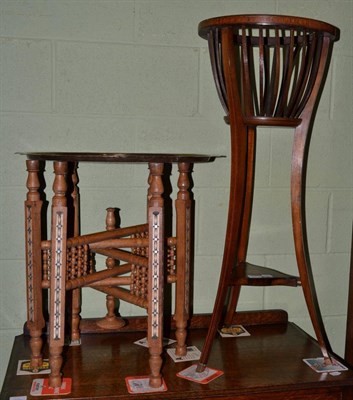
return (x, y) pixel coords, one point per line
(133, 75)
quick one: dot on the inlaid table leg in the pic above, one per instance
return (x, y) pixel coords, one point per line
(183, 234)
(155, 272)
(58, 273)
(33, 207)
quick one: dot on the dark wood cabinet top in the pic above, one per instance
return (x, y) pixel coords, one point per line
(268, 365)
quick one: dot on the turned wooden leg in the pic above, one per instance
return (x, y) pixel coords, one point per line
(36, 344)
(58, 273)
(35, 319)
(183, 233)
(75, 317)
(155, 273)
(76, 293)
(299, 161)
(111, 321)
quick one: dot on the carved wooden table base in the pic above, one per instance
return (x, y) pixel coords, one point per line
(65, 263)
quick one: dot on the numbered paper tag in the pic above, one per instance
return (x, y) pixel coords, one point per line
(40, 387)
(24, 368)
(193, 354)
(319, 365)
(204, 377)
(140, 384)
(143, 342)
(233, 331)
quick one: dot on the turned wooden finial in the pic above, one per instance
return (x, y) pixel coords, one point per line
(155, 184)
(33, 183)
(184, 181)
(60, 184)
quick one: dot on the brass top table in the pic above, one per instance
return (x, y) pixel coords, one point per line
(65, 263)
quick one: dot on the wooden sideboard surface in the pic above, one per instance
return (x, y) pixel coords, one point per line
(266, 365)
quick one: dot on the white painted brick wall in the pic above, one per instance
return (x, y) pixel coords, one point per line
(133, 75)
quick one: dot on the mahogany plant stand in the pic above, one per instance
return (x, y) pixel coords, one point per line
(269, 70)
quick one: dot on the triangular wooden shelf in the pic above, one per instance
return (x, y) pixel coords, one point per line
(255, 275)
